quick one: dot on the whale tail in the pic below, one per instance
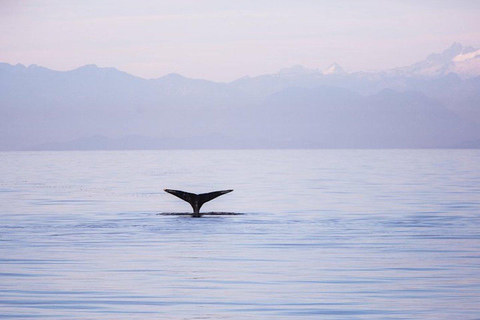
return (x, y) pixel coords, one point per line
(196, 200)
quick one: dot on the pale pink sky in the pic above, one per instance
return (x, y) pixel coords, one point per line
(225, 40)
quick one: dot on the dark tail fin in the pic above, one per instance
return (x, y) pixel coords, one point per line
(196, 200)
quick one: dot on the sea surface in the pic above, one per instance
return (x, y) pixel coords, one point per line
(323, 234)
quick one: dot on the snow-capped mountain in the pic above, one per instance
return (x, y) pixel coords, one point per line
(464, 61)
(334, 68)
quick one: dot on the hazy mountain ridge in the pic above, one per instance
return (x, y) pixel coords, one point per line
(297, 107)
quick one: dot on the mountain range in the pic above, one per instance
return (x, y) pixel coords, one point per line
(434, 103)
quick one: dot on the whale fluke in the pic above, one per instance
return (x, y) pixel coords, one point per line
(196, 200)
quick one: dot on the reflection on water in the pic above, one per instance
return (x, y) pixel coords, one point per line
(325, 234)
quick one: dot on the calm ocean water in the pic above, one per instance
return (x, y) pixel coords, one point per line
(325, 234)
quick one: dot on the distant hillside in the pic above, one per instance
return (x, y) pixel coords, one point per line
(332, 117)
